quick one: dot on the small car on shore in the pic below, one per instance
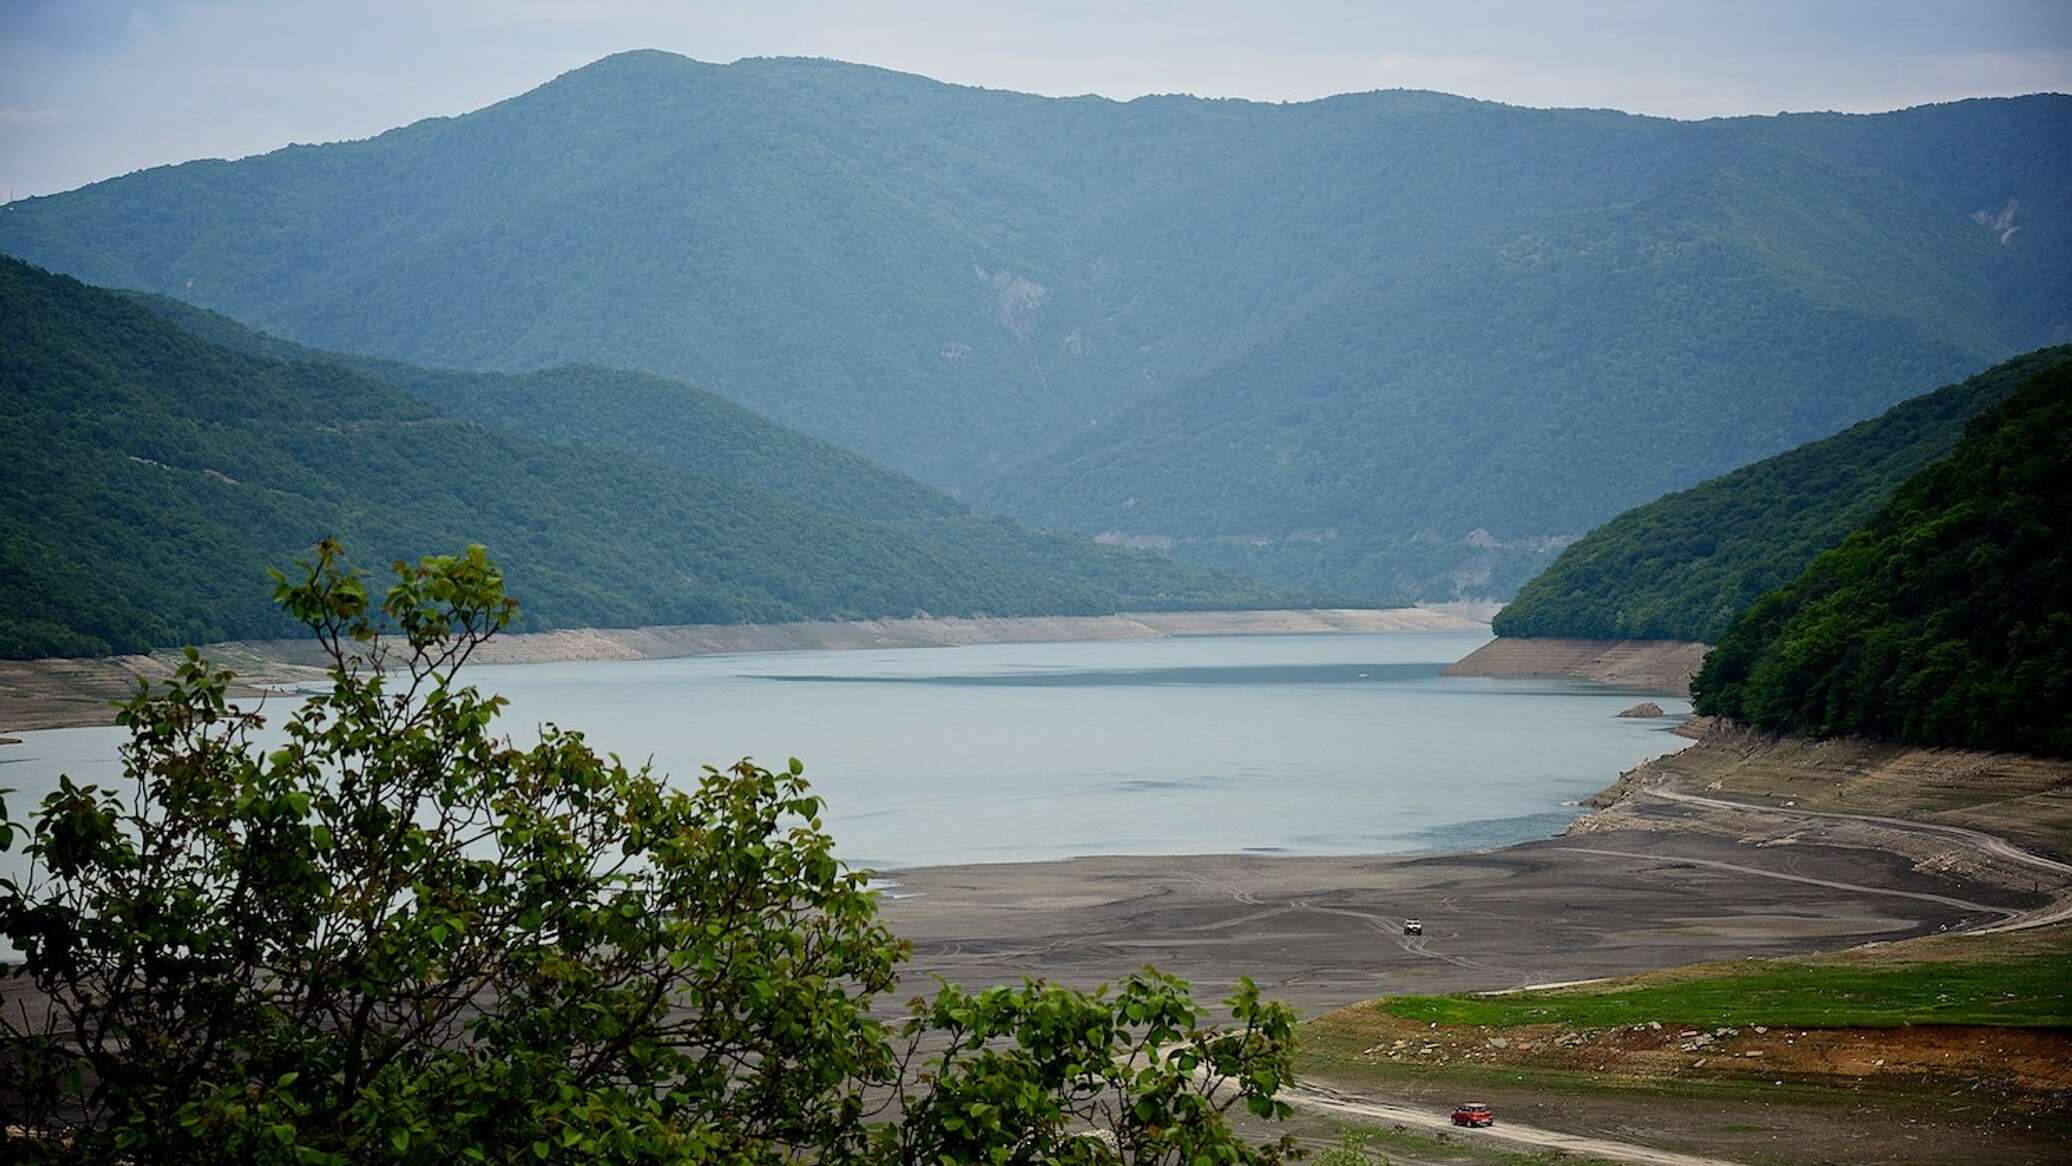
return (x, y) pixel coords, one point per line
(1473, 1115)
(1413, 927)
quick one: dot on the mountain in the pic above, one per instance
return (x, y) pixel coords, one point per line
(658, 419)
(675, 424)
(1946, 619)
(152, 477)
(1380, 342)
(1683, 566)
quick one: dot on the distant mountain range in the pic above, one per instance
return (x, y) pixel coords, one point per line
(1684, 566)
(1381, 344)
(153, 475)
(1946, 618)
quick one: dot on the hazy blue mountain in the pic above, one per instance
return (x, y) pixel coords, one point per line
(152, 477)
(1683, 566)
(1381, 341)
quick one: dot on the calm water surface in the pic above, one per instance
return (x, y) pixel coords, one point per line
(1327, 744)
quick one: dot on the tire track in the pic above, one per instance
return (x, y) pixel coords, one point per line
(2057, 911)
(1833, 884)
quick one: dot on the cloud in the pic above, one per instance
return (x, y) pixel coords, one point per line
(16, 115)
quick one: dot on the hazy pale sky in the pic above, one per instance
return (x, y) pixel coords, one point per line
(95, 88)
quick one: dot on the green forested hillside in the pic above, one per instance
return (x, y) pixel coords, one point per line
(1381, 341)
(661, 420)
(151, 477)
(1683, 566)
(675, 424)
(1946, 620)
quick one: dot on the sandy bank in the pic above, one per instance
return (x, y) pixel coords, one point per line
(653, 643)
(65, 693)
(1651, 665)
(51, 694)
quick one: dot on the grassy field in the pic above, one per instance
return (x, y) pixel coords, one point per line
(1814, 1058)
(2029, 993)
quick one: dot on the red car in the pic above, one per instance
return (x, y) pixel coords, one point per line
(1473, 1115)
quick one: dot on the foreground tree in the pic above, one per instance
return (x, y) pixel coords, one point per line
(1047, 1074)
(395, 936)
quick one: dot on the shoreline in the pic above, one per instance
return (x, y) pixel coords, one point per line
(66, 693)
(1785, 845)
(1738, 846)
(1640, 665)
(669, 642)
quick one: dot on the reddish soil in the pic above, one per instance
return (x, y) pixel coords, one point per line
(2032, 1062)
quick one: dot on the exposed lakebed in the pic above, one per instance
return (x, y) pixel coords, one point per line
(1307, 744)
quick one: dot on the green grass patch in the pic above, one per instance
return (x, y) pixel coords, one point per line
(2035, 993)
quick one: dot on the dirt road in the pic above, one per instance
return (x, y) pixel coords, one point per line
(1317, 1099)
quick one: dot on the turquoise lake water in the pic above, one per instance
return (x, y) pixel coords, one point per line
(1325, 744)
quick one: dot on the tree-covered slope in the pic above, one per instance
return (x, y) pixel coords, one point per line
(1683, 566)
(151, 477)
(1946, 620)
(675, 424)
(1380, 341)
(656, 418)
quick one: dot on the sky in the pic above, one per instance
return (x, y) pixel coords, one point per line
(90, 89)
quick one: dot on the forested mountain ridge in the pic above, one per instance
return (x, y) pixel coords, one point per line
(1376, 342)
(1946, 619)
(656, 418)
(151, 477)
(674, 424)
(1683, 566)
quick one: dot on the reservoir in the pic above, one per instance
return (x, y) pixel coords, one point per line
(1299, 744)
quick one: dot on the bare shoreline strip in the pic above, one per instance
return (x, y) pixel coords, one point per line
(65, 693)
(654, 643)
(1740, 845)
(1645, 665)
